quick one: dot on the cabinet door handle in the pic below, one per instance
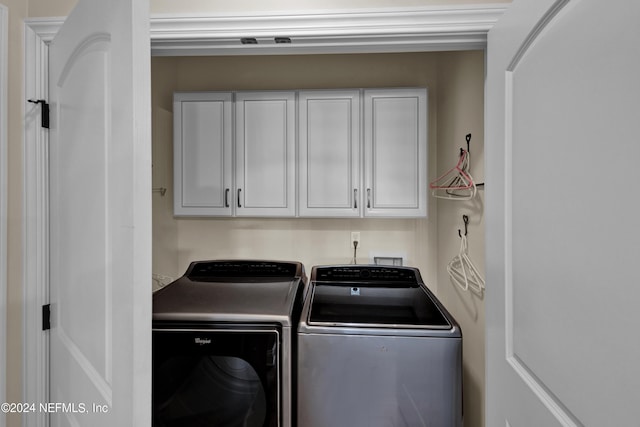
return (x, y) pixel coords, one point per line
(355, 198)
(226, 198)
(239, 191)
(368, 198)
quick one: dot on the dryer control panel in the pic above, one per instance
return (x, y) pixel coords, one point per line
(215, 270)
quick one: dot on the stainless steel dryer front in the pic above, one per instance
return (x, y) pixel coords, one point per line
(223, 345)
(377, 349)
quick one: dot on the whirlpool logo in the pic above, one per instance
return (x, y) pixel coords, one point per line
(202, 341)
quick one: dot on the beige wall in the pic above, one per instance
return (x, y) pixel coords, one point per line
(41, 8)
(199, 6)
(17, 13)
(46, 8)
(461, 111)
(420, 236)
(313, 241)
(456, 85)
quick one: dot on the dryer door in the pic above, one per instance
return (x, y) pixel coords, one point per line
(216, 377)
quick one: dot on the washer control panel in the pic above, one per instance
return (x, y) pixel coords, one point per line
(364, 273)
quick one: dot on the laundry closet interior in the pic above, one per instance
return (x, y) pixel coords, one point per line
(455, 99)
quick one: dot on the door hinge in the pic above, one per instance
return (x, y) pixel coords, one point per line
(46, 317)
(44, 116)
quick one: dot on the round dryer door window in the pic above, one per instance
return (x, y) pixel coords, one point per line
(218, 379)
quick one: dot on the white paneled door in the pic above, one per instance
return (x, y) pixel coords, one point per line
(395, 152)
(100, 216)
(265, 153)
(561, 213)
(202, 153)
(329, 146)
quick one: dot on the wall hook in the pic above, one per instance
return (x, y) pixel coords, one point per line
(465, 219)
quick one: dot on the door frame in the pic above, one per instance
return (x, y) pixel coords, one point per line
(385, 30)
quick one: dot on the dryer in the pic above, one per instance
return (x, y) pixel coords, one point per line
(224, 344)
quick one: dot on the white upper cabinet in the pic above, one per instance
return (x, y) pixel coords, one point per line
(265, 154)
(329, 144)
(326, 153)
(202, 153)
(395, 145)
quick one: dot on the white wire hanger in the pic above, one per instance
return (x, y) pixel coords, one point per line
(461, 269)
(456, 183)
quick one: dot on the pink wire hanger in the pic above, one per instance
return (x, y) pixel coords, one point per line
(457, 182)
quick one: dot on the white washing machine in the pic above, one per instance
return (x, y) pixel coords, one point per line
(377, 349)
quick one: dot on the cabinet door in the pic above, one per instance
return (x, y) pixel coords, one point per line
(265, 154)
(395, 135)
(202, 153)
(329, 143)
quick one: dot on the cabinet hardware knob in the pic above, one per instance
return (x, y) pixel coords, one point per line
(355, 198)
(226, 198)
(368, 198)
(239, 191)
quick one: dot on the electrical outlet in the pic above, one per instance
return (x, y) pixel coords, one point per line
(355, 237)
